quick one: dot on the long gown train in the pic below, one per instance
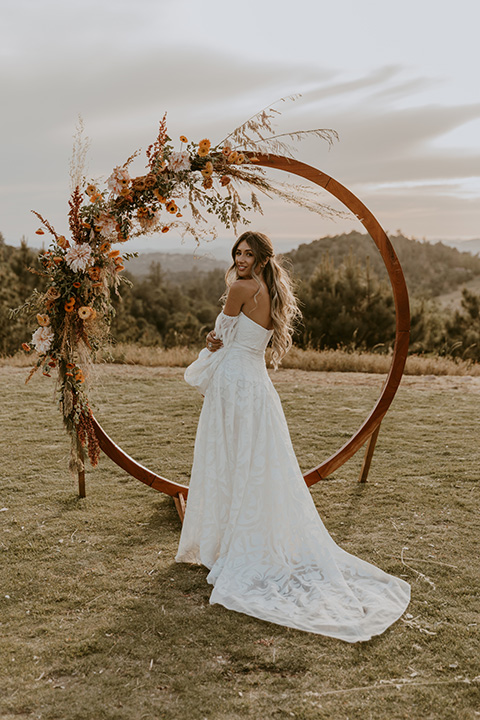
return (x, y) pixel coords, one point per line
(250, 519)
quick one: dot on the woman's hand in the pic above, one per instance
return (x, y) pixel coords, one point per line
(213, 343)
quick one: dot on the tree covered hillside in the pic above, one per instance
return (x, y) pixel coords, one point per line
(430, 270)
(341, 282)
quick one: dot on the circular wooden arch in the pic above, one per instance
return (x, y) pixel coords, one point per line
(371, 425)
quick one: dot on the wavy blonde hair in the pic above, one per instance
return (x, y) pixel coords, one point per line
(283, 303)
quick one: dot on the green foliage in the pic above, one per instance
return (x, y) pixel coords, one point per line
(430, 270)
(16, 284)
(342, 285)
(463, 331)
(346, 306)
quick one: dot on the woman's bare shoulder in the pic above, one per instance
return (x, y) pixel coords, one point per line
(243, 288)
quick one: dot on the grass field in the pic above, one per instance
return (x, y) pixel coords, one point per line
(99, 623)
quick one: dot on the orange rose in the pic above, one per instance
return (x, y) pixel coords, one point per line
(165, 229)
(26, 347)
(40, 231)
(113, 254)
(224, 180)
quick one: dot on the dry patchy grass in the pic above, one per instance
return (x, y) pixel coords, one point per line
(321, 361)
(98, 622)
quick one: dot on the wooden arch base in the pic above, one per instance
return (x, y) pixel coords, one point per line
(368, 431)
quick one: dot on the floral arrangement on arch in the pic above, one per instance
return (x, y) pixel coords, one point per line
(83, 269)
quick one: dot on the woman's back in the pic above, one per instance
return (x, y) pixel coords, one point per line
(254, 301)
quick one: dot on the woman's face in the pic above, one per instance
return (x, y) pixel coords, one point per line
(244, 260)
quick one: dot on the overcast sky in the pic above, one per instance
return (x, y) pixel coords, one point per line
(397, 80)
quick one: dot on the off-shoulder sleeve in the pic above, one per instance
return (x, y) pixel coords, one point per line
(200, 372)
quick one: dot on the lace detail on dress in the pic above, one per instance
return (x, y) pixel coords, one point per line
(251, 519)
(200, 372)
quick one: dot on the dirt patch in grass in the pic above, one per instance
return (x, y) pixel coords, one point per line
(97, 620)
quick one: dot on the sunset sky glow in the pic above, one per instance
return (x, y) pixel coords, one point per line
(398, 81)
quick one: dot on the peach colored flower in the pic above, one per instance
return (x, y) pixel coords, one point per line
(183, 139)
(118, 179)
(42, 339)
(78, 256)
(53, 293)
(63, 242)
(85, 312)
(232, 158)
(43, 320)
(94, 273)
(179, 161)
(171, 207)
(208, 169)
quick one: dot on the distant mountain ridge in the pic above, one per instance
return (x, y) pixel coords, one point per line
(471, 246)
(174, 263)
(431, 269)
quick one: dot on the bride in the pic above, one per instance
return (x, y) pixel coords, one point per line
(250, 518)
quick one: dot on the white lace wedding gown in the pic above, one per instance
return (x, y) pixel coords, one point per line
(250, 517)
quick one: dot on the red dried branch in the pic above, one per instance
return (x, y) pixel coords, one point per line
(74, 221)
(155, 150)
(46, 223)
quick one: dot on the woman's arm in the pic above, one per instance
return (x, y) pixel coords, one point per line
(238, 293)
